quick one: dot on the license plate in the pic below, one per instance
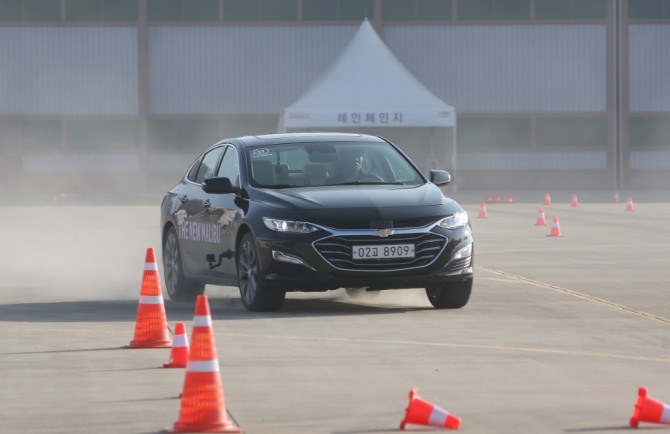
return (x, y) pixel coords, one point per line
(386, 251)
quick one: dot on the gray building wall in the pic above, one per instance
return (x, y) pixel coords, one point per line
(649, 85)
(477, 69)
(237, 70)
(650, 68)
(220, 70)
(68, 71)
(508, 69)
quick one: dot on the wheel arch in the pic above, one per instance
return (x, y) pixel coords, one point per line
(166, 227)
(241, 232)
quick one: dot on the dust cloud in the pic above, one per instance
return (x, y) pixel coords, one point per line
(76, 252)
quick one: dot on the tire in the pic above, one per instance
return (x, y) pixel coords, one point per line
(178, 288)
(257, 295)
(455, 295)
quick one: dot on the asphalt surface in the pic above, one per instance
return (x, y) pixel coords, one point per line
(559, 333)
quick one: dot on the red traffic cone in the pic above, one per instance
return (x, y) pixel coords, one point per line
(151, 330)
(574, 203)
(422, 412)
(203, 407)
(629, 205)
(547, 199)
(555, 229)
(541, 221)
(648, 409)
(483, 214)
(179, 353)
(615, 198)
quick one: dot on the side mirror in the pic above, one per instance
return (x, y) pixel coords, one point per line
(440, 177)
(218, 186)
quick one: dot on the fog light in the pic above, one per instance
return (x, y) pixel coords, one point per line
(289, 259)
(464, 252)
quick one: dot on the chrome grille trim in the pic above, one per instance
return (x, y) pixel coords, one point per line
(336, 248)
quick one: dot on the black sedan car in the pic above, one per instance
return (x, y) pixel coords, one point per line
(313, 212)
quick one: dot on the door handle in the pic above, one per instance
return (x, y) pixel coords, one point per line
(183, 199)
(206, 203)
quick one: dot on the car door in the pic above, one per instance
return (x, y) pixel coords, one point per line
(225, 215)
(195, 232)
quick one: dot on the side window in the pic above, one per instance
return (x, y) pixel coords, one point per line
(230, 167)
(208, 165)
(193, 172)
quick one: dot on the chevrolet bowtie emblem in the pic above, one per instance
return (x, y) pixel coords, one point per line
(383, 233)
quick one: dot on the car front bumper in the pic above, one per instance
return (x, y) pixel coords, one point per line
(306, 266)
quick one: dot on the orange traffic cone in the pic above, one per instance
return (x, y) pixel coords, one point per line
(648, 409)
(151, 330)
(555, 229)
(574, 203)
(547, 199)
(615, 198)
(203, 407)
(422, 412)
(541, 221)
(483, 214)
(629, 204)
(179, 353)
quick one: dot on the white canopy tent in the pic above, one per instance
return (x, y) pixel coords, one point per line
(367, 89)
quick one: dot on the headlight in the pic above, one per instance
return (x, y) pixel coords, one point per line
(289, 226)
(457, 220)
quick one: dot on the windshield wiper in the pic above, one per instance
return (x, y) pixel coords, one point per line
(367, 183)
(278, 186)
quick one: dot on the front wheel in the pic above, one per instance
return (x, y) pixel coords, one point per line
(178, 288)
(257, 295)
(453, 295)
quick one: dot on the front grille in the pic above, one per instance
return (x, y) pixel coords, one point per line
(337, 251)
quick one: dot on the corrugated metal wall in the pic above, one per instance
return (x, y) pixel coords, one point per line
(68, 71)
(491, 69)
(237, 70)
(247, 70)
(650, 68)
(479, 69)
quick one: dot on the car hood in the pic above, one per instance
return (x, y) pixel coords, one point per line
(353, 197)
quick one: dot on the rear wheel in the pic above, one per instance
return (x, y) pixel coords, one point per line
(257, 295)
(178, 288)
(450, 296)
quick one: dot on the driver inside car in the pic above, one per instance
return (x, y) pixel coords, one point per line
(349, 168)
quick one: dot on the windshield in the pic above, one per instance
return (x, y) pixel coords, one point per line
(330, 163)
